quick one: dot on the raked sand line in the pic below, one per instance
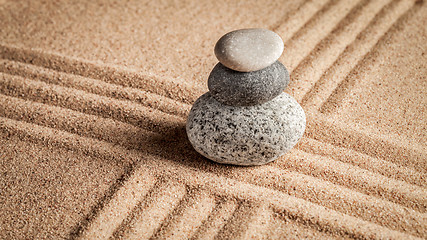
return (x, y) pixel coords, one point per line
(188, 216)
(281, 202)
(28, 52)
(279, 205)
(284, 225)
(334, 100)
(130, 133)
(317, 28)
(286, 177)
(357, 53)
(94, 86)
(13, 126)
(398, 152)
(56, 138)
(146, 142)
(86, 125)
(56, 94)
(92, 104)
(248, 218)
(363, 161)
(114, 132)
(353, 53)
(119, 207)
(44, 119)
(120, 110)
(258, 222)
(291, 23)
(327, 51)
(154, 210)
(336, 197)
(110, 74)
(355, 178)
(220, 216)
(126, 111)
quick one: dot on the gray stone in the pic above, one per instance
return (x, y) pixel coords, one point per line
(247, 88)
(247, 50)
(252, 135)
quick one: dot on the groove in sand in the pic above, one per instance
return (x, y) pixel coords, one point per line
(257, 226)
(221, 214)
(20, 54)
(352, 177)
(130, 114)
(94, 86)
(154, 211)
(363, 161)
(404, 194)
(90, 104)
(338, 198)
(320, 128)
(302, 43)
(86, 125)
(290, 24)
(125, 111)
(188, 216)
(118, 208)
(111, 74)
(31, 131)
(327, 51)
(291, 175)
(243, 216)
(355, 54)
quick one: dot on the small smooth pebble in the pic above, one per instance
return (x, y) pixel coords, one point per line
(249, 50)
(247, 88)
(253, 135)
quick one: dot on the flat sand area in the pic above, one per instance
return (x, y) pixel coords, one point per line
(94, 97)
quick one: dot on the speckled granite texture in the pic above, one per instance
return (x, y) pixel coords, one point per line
(247, 88)
(252, 135)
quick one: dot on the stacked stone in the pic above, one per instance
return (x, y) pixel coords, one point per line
(246, 118)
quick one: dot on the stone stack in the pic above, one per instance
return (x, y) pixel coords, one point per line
(246, 118)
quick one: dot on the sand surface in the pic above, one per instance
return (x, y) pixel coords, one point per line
(94, 97)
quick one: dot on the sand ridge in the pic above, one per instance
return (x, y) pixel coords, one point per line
(347, 178)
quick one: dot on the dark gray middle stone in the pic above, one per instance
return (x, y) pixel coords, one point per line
(247, 88)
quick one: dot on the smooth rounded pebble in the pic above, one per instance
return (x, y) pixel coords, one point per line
(253, 135)
(247, 88)
(249, 50)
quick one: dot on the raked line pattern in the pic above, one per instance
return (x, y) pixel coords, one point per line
(37, 93)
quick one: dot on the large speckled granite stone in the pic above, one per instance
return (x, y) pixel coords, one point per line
(251, 135)
(248, 50)
(247, 88)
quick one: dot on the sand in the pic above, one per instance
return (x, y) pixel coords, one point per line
(94, 97)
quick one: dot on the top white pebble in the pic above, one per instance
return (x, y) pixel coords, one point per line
(248, 50)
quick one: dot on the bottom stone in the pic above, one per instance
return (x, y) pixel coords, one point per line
(252, 135)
